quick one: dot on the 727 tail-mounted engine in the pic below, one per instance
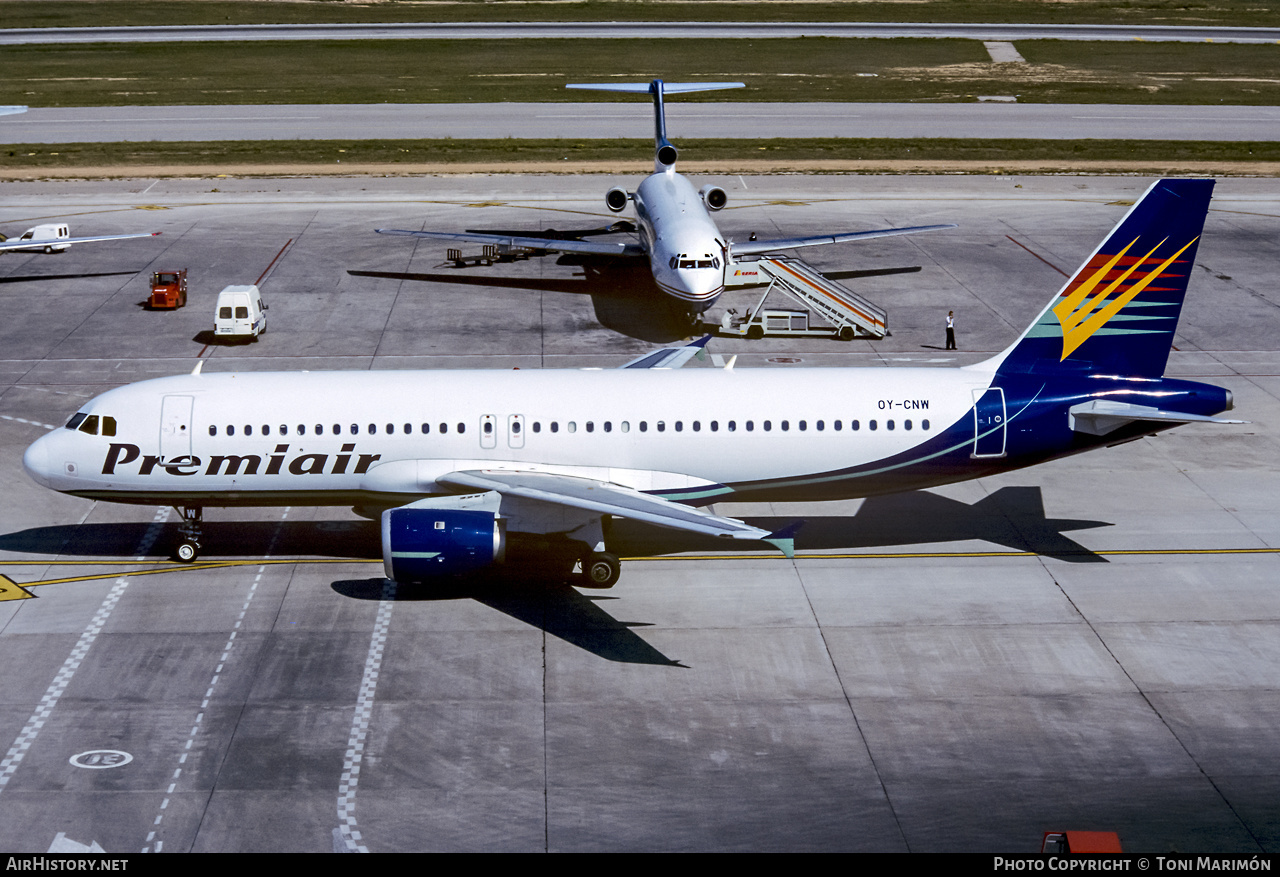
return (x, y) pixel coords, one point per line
(616, 199)
(714, 197)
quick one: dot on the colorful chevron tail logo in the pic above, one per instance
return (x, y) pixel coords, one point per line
(1082, 313)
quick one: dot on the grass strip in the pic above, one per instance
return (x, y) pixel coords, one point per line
(787, 70)
(412, 156)
(91, 13)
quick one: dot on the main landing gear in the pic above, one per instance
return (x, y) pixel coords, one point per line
(188, 547)
(601, 569)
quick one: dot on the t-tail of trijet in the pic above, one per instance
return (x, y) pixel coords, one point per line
(664, 153)
(1118, 312)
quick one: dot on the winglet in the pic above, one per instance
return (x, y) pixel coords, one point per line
(785, 539)
(199, 365)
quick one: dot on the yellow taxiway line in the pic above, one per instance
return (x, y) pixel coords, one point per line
(13, 590)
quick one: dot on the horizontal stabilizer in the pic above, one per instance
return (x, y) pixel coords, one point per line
(647, 87)
(751, 248)
(1102, 417)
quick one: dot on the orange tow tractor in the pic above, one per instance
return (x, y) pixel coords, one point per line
(168, 290)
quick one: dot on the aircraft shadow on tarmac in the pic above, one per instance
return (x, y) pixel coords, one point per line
(1012, 516)
(28, 278)
(549, 605)
(541, 596)
(622, 292)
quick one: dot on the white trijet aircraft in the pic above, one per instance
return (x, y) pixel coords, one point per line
(687, 253)
(56, 238)
(458, 461)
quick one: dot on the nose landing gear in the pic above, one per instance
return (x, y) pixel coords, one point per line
(187, 548)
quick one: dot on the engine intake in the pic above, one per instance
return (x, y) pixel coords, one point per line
(616, 199)
(714, 197)
(423, 542)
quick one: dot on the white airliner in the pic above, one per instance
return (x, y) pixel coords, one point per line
(687, 253)
(56, 238)
(458, 461)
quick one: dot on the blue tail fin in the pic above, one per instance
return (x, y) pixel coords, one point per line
(1117, 315)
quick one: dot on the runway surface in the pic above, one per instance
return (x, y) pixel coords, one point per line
(635, 120)
(1090, 644)
(633, 30)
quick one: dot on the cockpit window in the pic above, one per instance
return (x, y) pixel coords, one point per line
(90, 424)
(76, 420)
(108, 426)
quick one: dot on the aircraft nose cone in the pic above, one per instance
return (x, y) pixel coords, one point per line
(36, 461)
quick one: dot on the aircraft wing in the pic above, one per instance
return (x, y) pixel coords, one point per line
(604, 498)
(554, 245)
(751, 248)
(670, 357)
(16, 244)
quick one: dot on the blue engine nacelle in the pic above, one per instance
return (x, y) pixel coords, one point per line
(420, 543)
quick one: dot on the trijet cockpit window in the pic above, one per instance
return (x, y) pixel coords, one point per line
(90, 425)
(76, 420)
(108, 426)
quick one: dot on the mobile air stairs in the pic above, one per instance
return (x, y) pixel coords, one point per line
(848, 314)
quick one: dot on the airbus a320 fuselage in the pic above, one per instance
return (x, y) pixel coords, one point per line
(456, 462)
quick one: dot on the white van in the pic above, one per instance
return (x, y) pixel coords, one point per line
(44, 239)
(240, 313)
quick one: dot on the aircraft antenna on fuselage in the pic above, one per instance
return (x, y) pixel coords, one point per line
(664, 153)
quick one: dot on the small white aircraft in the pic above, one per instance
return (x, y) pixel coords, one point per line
(687, 253)
(56, 238)
(458, 461)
